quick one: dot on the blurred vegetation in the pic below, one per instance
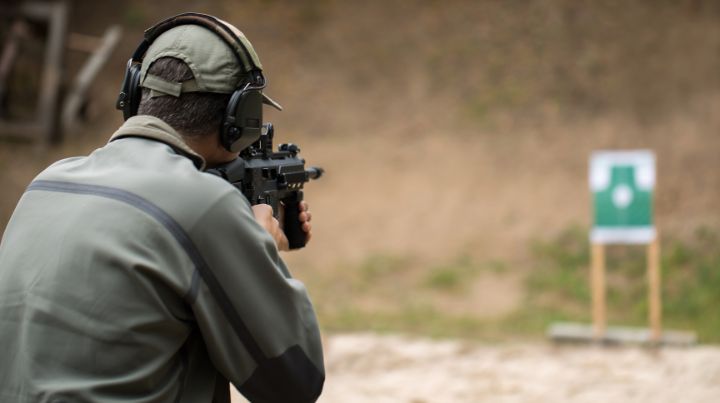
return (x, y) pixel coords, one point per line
(390, 294)
(690, 282)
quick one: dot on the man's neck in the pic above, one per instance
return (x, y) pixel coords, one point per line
(208, 146)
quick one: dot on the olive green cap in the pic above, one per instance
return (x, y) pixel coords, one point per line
(217, 68)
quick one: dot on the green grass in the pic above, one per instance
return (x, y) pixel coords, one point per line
(690, 282)
(421, 319)
(399, 294)
(457, 274)
(386, 293)
(452, 275)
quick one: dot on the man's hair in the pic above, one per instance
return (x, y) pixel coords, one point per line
(191, 114)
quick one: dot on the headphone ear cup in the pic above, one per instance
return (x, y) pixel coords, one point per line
(243, 120)
(134, 91)
(130, 92)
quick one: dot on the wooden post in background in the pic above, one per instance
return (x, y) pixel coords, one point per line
(622, 185)
(654, 302)
(597, 282)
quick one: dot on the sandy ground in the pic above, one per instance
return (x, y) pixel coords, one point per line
(372, 368)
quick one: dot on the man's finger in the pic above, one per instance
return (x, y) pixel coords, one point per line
(305, 216)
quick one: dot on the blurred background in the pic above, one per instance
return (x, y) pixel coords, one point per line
(456, 137)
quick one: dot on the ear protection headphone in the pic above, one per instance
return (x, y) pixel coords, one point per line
(242, 124)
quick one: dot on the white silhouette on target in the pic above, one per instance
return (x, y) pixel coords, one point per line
(622, 196)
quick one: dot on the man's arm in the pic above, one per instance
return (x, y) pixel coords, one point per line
(257, 321)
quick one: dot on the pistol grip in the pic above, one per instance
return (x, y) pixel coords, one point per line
(291, 223)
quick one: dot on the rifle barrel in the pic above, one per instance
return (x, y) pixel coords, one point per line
(314, 172)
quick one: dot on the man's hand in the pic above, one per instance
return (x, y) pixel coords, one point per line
(305, 217)
(264, 216)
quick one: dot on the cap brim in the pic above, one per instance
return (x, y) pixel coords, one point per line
(269, 101)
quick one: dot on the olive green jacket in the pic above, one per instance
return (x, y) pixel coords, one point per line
(130, 275)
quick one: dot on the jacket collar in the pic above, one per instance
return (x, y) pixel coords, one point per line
(153, 128)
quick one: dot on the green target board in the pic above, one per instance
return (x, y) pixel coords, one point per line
(622, 184)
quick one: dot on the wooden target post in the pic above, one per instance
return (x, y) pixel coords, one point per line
(622, 185)
(598, 289)
(655, 302)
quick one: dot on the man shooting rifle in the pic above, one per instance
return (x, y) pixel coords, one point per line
(133, 275)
